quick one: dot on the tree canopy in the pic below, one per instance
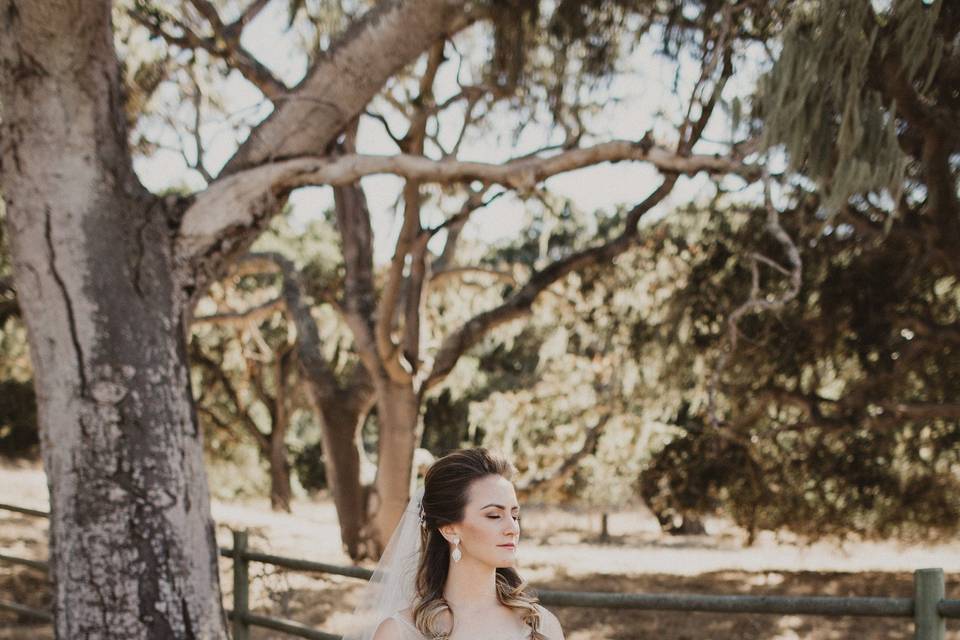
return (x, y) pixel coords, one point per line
(766, 325)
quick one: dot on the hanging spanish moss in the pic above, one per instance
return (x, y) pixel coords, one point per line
(824, 66)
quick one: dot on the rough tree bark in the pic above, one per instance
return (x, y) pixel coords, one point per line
(132, 540)
(106, 275)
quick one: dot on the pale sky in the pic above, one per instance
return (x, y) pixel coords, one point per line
(642, 93)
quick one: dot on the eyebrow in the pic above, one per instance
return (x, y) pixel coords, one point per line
(498, 506)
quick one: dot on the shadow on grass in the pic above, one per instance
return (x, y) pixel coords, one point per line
(323, 604)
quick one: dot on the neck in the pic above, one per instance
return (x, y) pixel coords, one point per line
(471, 586)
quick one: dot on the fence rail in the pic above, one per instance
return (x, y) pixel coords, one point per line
(928, 607)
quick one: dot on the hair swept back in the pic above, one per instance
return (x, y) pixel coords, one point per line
(444, 501)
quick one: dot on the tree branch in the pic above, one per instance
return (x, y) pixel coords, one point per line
(209, 12)
(345, 79)
(254, 314)
(408, 242)
(562, 472)
(310, 355)
(217, 371)
(521, 302)
(438, 277)
(359, 298)
(923, 410)
(757, 303)
(247, 16)
(237, 201)
(332, 94)
(409, 233)
(940, 141)
(224, 45)
(255, 375)
(454, 225)
(414, 295)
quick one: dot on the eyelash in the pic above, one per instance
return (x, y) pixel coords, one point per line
(492, 517)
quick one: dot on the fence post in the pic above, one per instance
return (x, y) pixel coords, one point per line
(929, 589)
(241, 587)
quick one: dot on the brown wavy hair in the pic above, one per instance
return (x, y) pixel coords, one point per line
(444, 502)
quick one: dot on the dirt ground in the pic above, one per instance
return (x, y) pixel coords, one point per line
(559, 550)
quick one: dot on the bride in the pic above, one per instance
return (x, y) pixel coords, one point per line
(449, 570)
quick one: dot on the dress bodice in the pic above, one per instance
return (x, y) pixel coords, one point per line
(414, 634)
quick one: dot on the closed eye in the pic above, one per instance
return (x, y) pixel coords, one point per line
(496, 517)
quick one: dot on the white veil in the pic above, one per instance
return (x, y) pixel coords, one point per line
(393, 584)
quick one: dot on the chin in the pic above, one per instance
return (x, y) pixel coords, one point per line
(501, 563)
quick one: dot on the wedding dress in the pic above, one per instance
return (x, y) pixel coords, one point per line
(413, 634)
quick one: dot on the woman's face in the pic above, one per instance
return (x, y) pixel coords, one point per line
(490, 530)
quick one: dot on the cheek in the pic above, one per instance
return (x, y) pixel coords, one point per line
(483, 531)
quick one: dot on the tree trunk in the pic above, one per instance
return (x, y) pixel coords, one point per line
(132, 541)
(342, 465)
(280, 492)
(340, 409)
(398, 410)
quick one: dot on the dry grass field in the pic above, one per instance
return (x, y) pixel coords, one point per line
(559, 550)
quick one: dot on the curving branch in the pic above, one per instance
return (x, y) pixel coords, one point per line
(350, 73)
(214, 369)
(560, 474)
(225, 43)
(411, 244)
(316, 370)
(521, 302)
(359, 303)
(721, 49)
(923, 410)
(309, 354)
(439, 277)
(334, 92)
(413, 287)
(239, 200)
(252, 11)
(757, 302)
(454, 225)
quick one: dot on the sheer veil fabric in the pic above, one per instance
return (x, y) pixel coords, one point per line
(392, 587)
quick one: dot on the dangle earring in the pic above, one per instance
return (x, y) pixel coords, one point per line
(455, 554)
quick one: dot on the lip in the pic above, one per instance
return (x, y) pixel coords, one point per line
(507, 546)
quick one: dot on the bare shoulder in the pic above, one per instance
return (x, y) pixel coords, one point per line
(549, 624)
(390, 629)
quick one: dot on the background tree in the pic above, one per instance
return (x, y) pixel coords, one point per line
(251, 377)
(386, 318)
(843, 406)
(18, 414)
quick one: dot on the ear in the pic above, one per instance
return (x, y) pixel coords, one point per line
(448, 531)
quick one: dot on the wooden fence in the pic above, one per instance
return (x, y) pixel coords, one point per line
(928, 607)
